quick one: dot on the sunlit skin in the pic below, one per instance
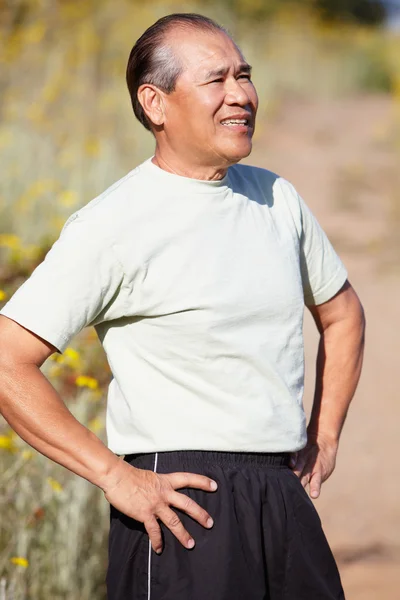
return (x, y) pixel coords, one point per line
(215, 85)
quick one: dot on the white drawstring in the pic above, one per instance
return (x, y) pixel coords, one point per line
(149, 563)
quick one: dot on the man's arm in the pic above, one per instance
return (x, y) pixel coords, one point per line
(341, 325)
(37, 413)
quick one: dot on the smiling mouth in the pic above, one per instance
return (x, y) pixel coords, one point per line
(235, 122)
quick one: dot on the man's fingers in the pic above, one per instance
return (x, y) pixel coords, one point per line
(191, 508)
(192, 480)
(315, 485)
(300, 464)
(174, 524)
(304, 480)
(154, 532)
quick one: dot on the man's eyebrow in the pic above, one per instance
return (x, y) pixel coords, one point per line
(216, 73)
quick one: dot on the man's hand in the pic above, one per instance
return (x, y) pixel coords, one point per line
(315, 463)
(146, 496)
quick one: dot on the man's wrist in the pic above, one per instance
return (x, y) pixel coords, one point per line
(325, 436)
(113, 474)
(105, 465)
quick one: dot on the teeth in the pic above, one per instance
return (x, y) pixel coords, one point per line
(235, 122)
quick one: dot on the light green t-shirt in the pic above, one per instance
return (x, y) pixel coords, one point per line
(197, 293)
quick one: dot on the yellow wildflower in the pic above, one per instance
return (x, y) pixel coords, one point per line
(84, 381)
(20, 561)
(72, 355)
(92, 147)
(58, 358)
(71, 358)
(3, 295)
(7, 442)
(57, 487)
(68, 198)
(27, 454)
(9, 240)
(96, 425)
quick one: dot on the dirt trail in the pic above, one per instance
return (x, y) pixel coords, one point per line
(340, 155)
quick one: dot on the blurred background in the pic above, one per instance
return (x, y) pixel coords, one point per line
(328, 77)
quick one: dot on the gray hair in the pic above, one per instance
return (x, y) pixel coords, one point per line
(152, 61)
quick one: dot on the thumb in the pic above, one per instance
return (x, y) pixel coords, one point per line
(315, 485)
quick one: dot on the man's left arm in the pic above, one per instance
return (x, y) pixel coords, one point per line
(341, 324)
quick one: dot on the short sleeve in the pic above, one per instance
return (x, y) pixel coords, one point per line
(79, 283)
(323, 273)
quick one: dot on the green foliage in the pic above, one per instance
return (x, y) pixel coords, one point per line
(367, 12)
(372, 73)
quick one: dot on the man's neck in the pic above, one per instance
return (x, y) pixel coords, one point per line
(179, 167)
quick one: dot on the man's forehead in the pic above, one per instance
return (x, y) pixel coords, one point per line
(203, 52)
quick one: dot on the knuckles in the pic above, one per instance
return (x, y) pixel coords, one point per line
(188, 504)
(174, 521)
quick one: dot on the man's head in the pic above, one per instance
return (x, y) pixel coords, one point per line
(191, 86)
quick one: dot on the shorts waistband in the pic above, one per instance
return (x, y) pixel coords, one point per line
(262, 459)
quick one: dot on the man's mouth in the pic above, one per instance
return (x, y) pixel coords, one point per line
(233, 122)
(240, 123)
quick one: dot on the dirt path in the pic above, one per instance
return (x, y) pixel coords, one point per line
(341, 158)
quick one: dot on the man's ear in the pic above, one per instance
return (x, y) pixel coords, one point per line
(151, 99)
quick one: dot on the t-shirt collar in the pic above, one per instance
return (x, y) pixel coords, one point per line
(194, 185)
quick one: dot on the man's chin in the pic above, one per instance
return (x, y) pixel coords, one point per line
(234, 155)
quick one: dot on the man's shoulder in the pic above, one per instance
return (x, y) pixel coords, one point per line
(115, 196)
(115, 204)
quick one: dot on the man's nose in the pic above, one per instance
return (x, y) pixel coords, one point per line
(236, 94)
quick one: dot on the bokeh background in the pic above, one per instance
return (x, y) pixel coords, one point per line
(328, 77)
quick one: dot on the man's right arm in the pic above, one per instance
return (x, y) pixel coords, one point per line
(36, 412)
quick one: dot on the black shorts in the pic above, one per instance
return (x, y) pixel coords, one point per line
(266, 544)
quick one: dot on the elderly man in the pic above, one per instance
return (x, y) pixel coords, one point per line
(195, 272)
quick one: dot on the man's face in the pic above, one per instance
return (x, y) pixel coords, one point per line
(210, 117)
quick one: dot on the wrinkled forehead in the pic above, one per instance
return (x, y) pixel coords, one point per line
(201, 52)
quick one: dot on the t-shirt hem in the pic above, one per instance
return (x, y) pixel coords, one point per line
(329, 290)
(289, 447)
(59, 341)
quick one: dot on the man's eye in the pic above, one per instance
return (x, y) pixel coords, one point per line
(248, 77)
(220, 80)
